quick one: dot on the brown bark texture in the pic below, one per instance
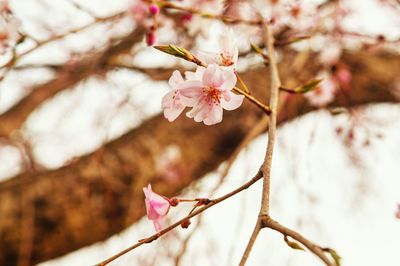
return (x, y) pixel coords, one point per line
(100, 194)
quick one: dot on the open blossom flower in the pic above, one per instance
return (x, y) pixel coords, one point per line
(324, 93)
(175, 101)
(215, 95)
(228, 52)
(157, 207)
(208, 91)
(398, 211)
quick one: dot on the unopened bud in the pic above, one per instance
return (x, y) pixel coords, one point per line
(154, 9)
(173, 202)
(150, 38)
(185, 224)
(176, 51)
(186, 17)
(295, 11)
(202, 201)
(381, 38)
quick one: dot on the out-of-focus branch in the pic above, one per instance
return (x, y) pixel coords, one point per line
(97, 20)
(66, 77)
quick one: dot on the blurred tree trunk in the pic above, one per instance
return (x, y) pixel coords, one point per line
(100, 194)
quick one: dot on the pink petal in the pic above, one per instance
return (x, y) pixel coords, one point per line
(175, 79)
(147, 191)
(171, 103)
(229, 79)
(172, 113)
(157, 225)
(156, 205)
(209, 57)
(197, 75)
(151, 212)
(192, 89)
(200, 111)
(213, 76)
(214, 116)
(235, 101)
(228, 46)
(161, 207)
(168, 100)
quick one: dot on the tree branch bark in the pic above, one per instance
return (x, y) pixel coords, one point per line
(66, 77)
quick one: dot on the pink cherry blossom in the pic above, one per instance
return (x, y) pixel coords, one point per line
(228, 52)
(330, 53)
(324, 93)
(157, 207)
(398, 211)
(207, 90)
(175, 102)
(214, 95)
(139, 11)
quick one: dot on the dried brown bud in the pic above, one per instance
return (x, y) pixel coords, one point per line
(173, 202)
(381, 38)
(202, 201)
(185, 224)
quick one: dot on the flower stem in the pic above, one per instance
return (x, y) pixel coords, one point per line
(242, 83)
(259, 104)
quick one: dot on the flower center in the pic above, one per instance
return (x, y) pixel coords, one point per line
(226, 60)
(213, 95)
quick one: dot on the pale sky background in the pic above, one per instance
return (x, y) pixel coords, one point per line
(316, 188)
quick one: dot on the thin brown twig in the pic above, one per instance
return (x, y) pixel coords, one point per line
(266, 165)
(260, 127)
(264, 220)
(263, 107)
(317, 250)
(225, 19)
(213, 202)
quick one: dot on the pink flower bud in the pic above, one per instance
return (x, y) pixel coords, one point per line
(157, 207)
(150, 38)
(154, 9)
(186, 17)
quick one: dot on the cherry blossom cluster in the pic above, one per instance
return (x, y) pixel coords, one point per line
(146, 12)
(208, 90)
(331, 82)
